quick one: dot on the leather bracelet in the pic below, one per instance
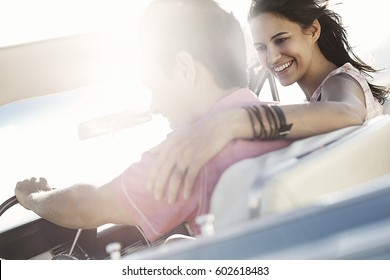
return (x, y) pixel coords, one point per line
(284, 128)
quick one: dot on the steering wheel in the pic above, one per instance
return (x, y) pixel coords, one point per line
(13, 201)
(8, 204)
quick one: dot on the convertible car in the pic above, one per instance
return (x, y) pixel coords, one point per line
(71, 110)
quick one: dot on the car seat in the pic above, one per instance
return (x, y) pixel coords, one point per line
(298, 174)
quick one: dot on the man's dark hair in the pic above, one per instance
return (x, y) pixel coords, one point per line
(202, 28)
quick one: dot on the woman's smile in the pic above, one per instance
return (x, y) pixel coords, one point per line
(283, 67)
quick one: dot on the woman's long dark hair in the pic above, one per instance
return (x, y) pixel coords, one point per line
(333, 41)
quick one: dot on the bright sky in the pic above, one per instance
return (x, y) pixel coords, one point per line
(31, 20)
(365, 22)
(38, 19)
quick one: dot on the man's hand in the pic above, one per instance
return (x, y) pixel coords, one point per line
(24, 189)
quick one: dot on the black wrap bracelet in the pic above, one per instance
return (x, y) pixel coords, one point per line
(270, 120)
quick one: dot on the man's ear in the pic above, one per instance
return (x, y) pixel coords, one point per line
(186, 66)
(315, 29)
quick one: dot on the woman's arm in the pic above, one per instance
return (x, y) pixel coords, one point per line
(342, 104)
(185, 152)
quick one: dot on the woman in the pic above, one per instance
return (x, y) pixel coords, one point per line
(298, 41)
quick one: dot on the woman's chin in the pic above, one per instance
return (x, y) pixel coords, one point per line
(285, 83)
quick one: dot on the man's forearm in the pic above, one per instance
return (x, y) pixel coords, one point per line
(71, 207)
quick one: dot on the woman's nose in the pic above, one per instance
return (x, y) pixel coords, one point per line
(273, 55)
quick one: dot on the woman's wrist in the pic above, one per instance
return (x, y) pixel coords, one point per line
(268, 122)
(240, 126)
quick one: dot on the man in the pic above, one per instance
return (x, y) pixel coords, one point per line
(195, 64)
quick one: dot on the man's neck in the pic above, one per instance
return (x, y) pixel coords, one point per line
(210, 97)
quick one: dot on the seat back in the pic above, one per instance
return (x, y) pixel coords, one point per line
(298, 174)
(359, 157)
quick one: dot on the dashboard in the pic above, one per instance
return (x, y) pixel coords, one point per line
(43, 240)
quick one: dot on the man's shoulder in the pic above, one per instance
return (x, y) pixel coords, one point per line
(238, 98)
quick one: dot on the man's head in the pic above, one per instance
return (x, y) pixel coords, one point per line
(190, 45)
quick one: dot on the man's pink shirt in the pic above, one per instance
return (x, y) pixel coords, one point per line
(157, 217)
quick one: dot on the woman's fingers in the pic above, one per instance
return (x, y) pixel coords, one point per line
(189, 180)
(176, 177)
(182, 156)
(158, 166)
(160, 178)
(164, 172)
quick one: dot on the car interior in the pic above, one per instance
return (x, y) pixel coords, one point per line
(322, 197)
(325, 191)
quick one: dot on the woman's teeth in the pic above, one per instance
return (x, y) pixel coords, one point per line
(283, 66)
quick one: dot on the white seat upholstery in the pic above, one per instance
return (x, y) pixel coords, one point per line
(298, 174)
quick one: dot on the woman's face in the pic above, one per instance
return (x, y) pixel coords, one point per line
(283, 47)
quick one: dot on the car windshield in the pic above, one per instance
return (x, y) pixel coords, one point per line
(60, 136)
